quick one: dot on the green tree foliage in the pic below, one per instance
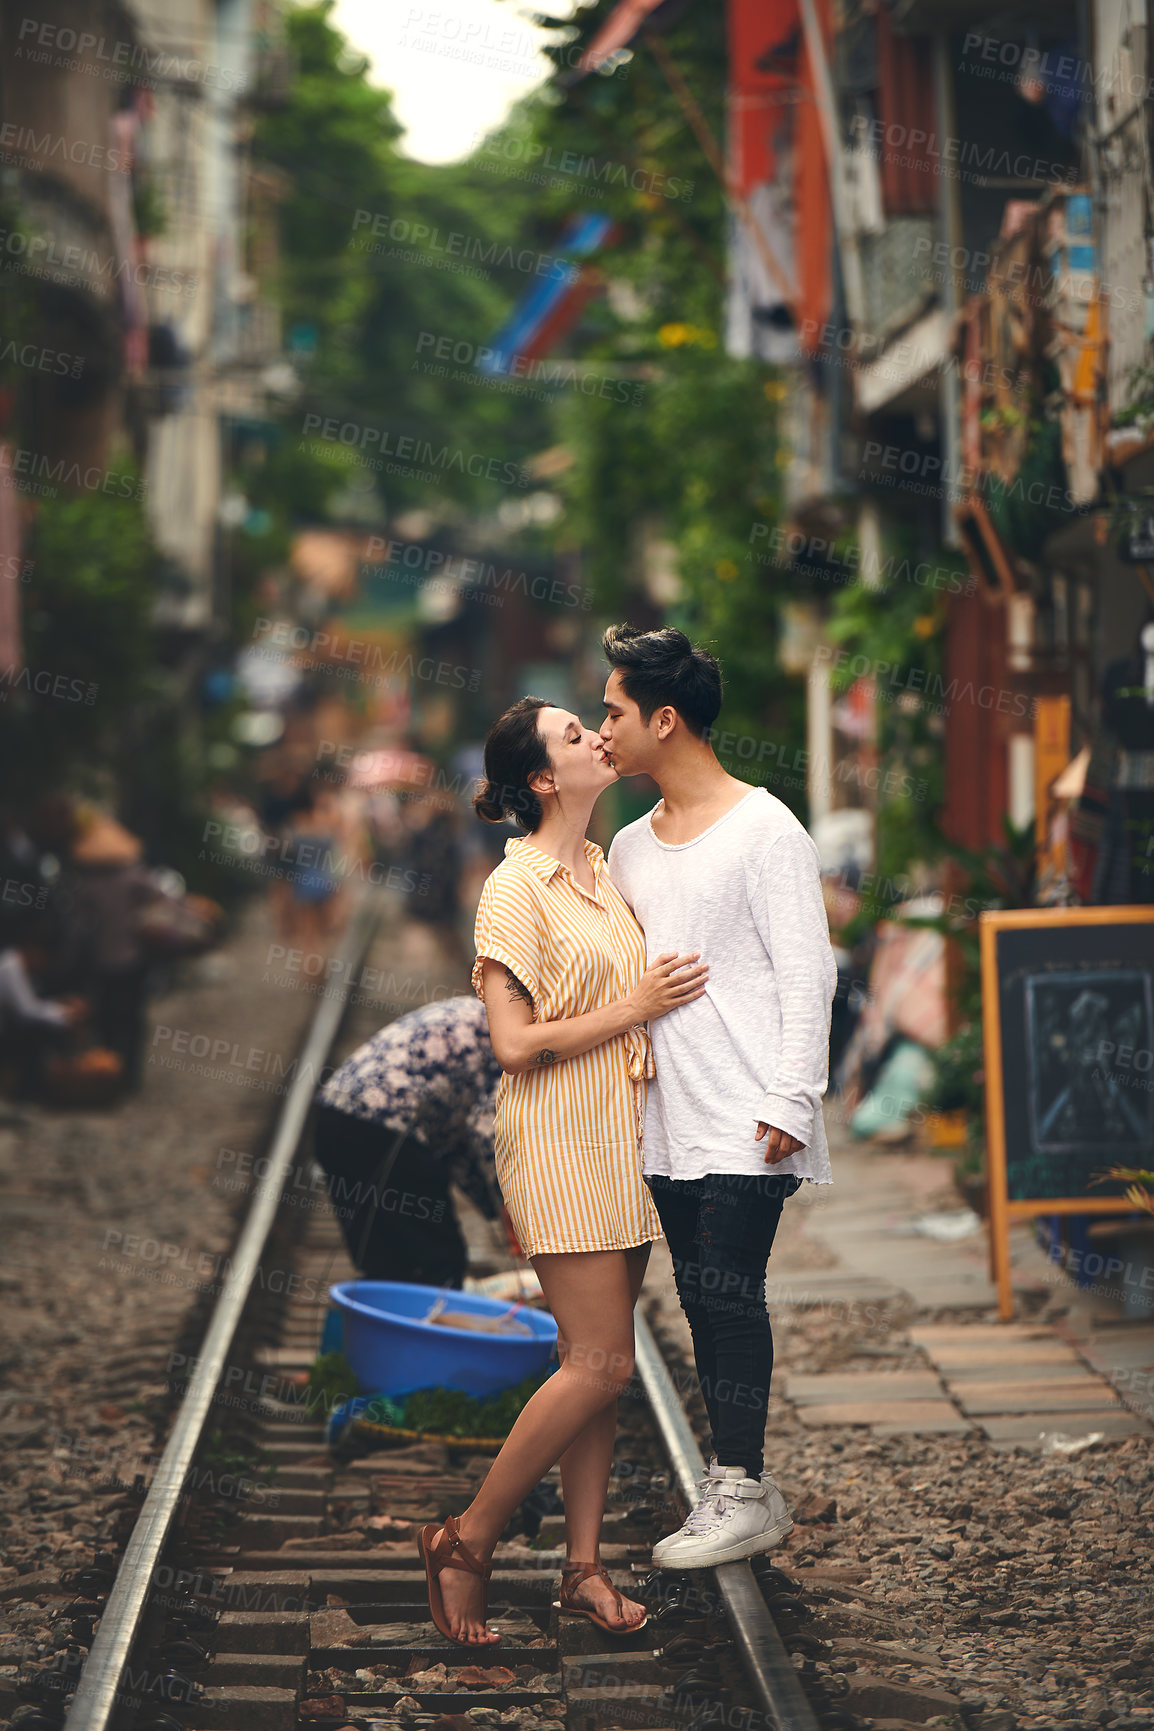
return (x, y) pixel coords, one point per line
(999, 876)
(86, 642)
(93, 708)
(383, 259)
(622, 144)
(699, 457)
(685, 446)
(896, 627)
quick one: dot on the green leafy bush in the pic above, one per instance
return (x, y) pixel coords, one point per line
(959, 1081)
(449, 1412)
(439, 1411)
(85, 626)
(331, 1379)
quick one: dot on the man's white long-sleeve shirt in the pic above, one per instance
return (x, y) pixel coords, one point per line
(755, 1047)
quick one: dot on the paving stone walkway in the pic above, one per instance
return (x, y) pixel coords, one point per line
(1079, 1367)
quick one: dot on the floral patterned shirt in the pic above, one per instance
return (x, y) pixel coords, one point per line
(432, 1073)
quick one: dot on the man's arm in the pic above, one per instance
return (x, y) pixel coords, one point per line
(791, 919)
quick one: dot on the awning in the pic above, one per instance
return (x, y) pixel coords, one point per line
(548, 308)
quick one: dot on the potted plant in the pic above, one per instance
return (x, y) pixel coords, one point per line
(1001, 876)
(959, 1087)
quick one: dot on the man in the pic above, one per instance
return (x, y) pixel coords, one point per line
(734, 1123)
(422, 1093)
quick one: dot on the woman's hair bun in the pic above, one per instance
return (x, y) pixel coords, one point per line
(487, 806)
(514, 754)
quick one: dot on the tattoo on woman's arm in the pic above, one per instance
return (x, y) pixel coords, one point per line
(516, 989)
(545, 1057)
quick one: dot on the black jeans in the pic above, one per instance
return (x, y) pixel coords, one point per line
(720, 1230)
(410, 1222)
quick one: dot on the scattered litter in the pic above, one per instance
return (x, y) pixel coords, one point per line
(485, 1677)
(1057, 1442)
(949, 1227)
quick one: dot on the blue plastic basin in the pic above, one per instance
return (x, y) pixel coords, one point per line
(393, 1352)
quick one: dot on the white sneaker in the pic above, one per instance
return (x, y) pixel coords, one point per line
(783, 1516)
(736, 1517)
(704, 1486)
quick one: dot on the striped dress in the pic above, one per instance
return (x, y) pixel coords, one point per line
(567, 1136)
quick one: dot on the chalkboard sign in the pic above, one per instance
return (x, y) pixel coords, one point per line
(1068, 1018)
(1137, 544)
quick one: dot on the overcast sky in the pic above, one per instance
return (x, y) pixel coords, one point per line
(454, 68)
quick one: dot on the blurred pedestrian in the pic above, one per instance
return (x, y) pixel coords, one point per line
(104, 890)
(434, 860)
(21, 886)
(482, 844)
(420, 1094)
(312, 854)
(278, 788)
(386, 826)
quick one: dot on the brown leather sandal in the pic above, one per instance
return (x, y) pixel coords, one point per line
(571, 1579)
(451, 1553)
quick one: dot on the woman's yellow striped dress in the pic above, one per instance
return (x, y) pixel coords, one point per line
(568, 1135)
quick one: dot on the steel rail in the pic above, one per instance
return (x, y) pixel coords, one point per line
(763, 1652)
(96, 1697)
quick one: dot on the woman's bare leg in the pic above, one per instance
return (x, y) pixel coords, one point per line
(591, 1295)
(585, 1469)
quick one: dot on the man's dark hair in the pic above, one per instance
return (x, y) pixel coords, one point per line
(658, 667)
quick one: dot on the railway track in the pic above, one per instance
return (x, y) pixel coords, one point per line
(266, 1585)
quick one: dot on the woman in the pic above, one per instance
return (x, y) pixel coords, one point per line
(561, 968)
(313, 843)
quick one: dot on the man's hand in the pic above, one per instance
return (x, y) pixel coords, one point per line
(779, 1145)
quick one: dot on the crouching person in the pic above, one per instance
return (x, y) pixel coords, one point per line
(421, 1090)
